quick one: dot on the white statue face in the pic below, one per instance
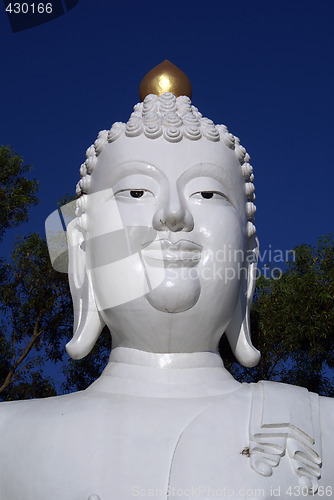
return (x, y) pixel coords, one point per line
(166, 232)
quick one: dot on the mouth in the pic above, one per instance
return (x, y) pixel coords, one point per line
(183, 252)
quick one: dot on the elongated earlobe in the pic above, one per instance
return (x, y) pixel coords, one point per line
(87, 321)
(238, 331)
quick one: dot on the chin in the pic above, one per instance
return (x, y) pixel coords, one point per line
(175, 296)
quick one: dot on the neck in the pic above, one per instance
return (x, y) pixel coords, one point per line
(140, 373)
(166, 360)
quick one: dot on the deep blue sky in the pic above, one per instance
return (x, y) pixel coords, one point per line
(263, 68)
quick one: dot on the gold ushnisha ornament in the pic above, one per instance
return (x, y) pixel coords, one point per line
(166, 77)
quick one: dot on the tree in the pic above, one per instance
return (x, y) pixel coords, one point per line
(26, 299)
(37, 319)
(17, 192)
(292, 322)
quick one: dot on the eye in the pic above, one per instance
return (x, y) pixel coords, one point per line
(133, 193)
(137, 193)
(208, 195)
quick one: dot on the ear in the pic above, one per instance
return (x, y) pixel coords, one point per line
(87, 321)
(238, 331)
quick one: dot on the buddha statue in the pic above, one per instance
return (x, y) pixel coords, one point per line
(163, 251)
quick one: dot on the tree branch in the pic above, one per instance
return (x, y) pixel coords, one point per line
(35, 336)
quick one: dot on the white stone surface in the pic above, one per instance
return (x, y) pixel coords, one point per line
(151, 423)
(165, 266)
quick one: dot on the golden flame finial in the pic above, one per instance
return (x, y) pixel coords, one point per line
(166, 77)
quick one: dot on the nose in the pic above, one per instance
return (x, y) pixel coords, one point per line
(173, 215)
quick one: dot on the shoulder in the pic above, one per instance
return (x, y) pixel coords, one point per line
(26, 413)
(301, 405)
(326, 419)
(326, 410)
(37, 425)
(295, 421)
(327, 407)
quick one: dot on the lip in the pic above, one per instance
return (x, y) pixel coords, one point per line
(182, 252)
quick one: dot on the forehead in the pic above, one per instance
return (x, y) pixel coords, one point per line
(127, 156)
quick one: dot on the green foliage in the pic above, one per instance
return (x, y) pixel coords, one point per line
(17, 192)
(36, 318)
(35, 303)
(292, 322)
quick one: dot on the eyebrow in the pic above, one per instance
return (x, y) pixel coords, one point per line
(209, 170)
(134, 167)
(212, 171)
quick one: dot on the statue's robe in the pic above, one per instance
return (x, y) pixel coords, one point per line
(156, 425)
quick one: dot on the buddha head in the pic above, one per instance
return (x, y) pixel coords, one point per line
(163, 249)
